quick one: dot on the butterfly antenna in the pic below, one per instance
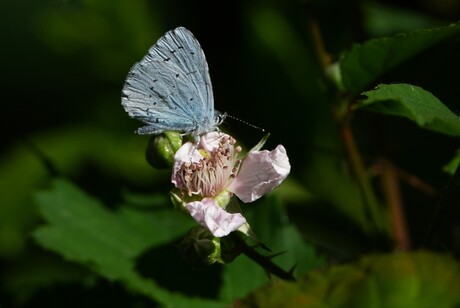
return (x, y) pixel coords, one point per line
(244, 122)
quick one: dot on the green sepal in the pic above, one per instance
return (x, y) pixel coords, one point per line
(260, 144)
(162, 148)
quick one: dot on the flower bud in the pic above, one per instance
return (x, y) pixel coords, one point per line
(161, 149)
(200, 248)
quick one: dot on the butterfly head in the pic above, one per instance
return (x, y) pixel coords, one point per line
(208, 125)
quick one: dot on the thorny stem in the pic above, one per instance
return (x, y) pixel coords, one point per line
(264, 261)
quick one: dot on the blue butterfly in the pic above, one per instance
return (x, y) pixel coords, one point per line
(170, 88)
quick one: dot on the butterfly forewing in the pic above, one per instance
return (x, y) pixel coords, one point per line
(181, 48)
(170, 88)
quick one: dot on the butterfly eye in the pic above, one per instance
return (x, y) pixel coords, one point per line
(220, 117)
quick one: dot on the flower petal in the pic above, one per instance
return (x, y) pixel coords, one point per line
(210, 141)
(208, 214)
(260, 173)
(187, 153)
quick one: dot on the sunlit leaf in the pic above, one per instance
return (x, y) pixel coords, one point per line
(82, 231)
(413, 103)
(69, 149)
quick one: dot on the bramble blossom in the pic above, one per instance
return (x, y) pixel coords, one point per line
(212, 171)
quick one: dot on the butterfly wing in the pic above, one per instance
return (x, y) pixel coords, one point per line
(163, 100)
(170, 88)
(183, 50)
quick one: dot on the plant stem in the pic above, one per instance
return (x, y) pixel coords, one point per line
(394, 201)
(343, 116)
(264, 261)
(315, 33)
(361, 174)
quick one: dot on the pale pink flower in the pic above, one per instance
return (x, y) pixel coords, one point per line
(214, 170)
(209, 214)
(260, 173)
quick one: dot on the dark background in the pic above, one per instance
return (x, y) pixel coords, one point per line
(63, 64)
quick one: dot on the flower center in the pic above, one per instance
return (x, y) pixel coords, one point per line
(209, 176)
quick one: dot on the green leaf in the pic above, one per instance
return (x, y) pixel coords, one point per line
(83, 231)
(418, 279)
(241, 277)
(364, 63)
(268, 219)
(70, 149)
(272, 227)
(452, 166)
(260, 144)
(413, 103)
(402, 20)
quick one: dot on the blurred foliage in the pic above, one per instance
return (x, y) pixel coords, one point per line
(452, 166)
(101, 33)
(103, 233)
(364, 63)
(418, 279)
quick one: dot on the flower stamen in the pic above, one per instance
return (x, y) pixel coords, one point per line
(210, 175)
